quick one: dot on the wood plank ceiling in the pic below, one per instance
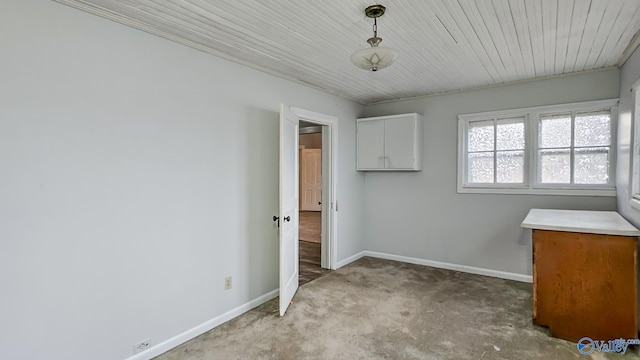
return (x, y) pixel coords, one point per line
(444, 45)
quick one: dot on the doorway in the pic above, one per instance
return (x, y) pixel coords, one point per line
(310, 202)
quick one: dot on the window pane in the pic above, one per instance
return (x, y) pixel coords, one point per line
(592, 166)
(510, 167)
(510, 134)
(481, 136)
(593, 128)
(555, 131)
(555, 166)
(480, 167)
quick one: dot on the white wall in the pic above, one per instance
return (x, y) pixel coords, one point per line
(420, 215)
(629, 74)
(136, 174)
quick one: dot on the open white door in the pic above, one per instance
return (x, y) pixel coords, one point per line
(288, 234)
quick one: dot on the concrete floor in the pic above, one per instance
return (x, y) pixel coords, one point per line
(379, 309)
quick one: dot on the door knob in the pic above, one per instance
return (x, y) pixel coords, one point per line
(276, 218)
(288, 218)
(319, 202)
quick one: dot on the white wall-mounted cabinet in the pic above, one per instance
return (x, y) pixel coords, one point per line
(390, 143)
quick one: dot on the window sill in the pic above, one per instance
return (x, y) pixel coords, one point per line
(538, 191)
(635, 203)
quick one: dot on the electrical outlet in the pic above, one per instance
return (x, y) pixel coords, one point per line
(227, 283)
(141, 346)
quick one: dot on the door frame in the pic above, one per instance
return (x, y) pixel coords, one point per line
(329, 183)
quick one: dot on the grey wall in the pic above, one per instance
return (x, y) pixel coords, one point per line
(629, 74)
(420, 214)
(136, 174)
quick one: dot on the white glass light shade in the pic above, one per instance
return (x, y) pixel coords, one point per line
(374, 58)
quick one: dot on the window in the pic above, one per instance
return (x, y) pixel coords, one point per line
(574, 148)
(635, 149)
(495, 152)
(559, 149)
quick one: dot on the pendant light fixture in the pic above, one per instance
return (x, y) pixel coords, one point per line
(375, 57)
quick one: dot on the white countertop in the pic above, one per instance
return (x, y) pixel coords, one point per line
(592, 222)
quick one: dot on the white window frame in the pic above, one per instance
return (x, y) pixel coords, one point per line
(634, 193)
(530, 185)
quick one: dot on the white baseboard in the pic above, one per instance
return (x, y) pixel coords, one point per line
(449, 266)
(349, 260)
(202, 328)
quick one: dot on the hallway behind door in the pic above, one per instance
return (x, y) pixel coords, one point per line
(310, 234)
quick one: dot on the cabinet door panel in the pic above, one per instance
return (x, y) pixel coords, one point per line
(585, 285)
(371, 144)
(399, 143)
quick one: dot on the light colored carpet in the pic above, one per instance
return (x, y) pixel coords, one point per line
(379, 309)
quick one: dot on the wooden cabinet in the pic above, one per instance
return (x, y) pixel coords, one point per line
(390, 143)
(584, 274)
